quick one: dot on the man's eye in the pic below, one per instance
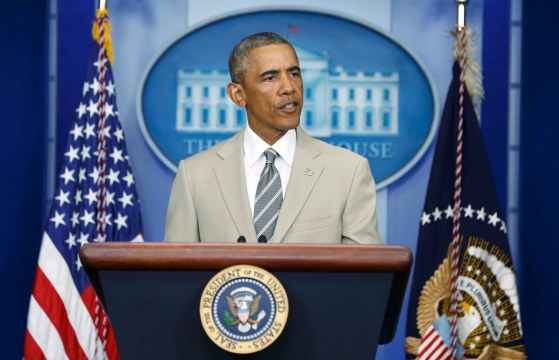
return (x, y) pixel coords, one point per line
(295, 74)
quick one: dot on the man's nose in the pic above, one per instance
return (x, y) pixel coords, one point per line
(286, 85)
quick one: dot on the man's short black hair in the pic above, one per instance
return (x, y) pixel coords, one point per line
(239, 59)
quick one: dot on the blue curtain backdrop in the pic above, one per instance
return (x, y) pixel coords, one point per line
(539, 247)
(23, 139)
(494, 109)
(23, 135)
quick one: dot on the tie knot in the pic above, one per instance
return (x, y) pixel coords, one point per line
(270, 155)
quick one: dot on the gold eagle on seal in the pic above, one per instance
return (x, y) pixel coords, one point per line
(243, 304)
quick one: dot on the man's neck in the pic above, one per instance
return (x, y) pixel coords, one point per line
(269, 137)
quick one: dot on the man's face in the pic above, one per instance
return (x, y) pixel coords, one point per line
(273, 90)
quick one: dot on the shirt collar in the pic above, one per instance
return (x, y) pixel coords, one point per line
(254, 146)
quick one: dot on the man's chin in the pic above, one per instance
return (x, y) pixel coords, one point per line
(290, 124)
(290, 127)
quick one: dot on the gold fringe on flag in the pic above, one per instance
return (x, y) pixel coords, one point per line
(473, 76)
(96, 35)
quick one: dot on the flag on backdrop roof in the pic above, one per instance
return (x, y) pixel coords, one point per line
(486, 321)
(95, 200)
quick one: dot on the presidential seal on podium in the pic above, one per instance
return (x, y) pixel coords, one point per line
(244, 309)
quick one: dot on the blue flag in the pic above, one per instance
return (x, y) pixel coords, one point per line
(488, 311)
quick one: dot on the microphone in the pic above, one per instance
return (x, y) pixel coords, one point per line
(262, 239)
(241, 239)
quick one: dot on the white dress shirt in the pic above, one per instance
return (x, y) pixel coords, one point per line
(254, 148)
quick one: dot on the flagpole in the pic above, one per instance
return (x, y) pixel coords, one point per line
(461, 12)
(102, 5)
(455, 253)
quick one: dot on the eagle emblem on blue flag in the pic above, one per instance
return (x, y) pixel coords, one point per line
(488, 312)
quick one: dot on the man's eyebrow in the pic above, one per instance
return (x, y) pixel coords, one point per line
(269, 72)
(294, 67)
(276, 71)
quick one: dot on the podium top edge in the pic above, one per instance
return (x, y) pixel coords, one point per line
(273, 257)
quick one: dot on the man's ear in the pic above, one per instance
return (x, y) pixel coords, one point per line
(237, 94)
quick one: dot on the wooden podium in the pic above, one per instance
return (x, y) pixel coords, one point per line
(344, 300)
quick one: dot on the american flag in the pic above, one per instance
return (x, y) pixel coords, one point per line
(434, 343)
(95, 200)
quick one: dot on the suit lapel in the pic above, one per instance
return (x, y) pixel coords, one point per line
(230, 177)
(305, 172)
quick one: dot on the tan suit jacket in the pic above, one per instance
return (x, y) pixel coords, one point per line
(330, 198)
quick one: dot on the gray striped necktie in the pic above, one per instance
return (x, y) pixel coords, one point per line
(268, 199)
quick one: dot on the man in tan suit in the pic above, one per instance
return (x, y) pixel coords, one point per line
(325, 194)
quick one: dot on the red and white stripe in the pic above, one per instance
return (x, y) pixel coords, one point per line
(433, 347)
(60, 324)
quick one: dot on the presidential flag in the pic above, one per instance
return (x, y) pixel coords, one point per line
(95, 201)
(464, 298)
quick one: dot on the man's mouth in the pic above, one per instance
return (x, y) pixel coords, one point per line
(288, 106)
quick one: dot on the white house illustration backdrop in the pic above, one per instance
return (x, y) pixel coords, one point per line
(336, 102)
